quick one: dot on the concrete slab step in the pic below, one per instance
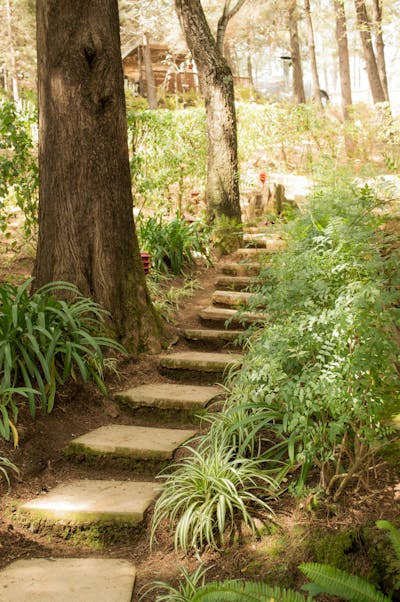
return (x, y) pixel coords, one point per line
(66, 579)
(86, 502)
(133, 442)
(221, 314)
(230, 298)
(241, 269)
(169, 396)
(200, 361)
(233, 283)
(271, 246)
(211, 336)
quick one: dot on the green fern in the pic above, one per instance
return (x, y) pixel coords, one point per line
(394, 535)
(330, 580)
(245, 591)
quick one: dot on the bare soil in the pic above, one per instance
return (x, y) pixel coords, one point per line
(273, 556)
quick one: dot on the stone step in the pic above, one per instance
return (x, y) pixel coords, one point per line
(221, 314)
(230, 298)
(66, 579)
(233, 283)
(212, 336)
(199, 361)
(86, 502)
(169, 396)
(271, 246)
(133, 442)
(241, 269)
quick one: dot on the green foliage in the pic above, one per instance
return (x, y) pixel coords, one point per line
(209, 492)
(187, 587)
(173, 244)
(44, 342)
(165, 297)
(319, 375)
(5, 467)
(329, 580)
(18, 163)
(167, 148)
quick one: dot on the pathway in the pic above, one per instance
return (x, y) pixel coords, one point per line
(123, 504)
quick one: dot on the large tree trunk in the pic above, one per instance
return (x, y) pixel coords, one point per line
(216, 84)
(150, 82)
(344, 62)
(298, 85)
(364, 26)
(380, 46)
(86, 229)
(313, 58)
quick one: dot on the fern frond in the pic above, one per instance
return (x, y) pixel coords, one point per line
(245, 591)
(394, 535)
(331, 580)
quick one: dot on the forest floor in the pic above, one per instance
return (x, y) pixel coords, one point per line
(339, 533)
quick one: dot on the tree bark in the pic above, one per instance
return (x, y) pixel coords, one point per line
(216, 83)
(313, 58)
(364, 26)
(344, 62)
(86, 229)
(150, 83)
(380, 46)
(298, 85)
(11, 49)
(223, 21)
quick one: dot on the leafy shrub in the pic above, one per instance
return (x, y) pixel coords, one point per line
(167, 147)
(173, 244)
(318, 377)
(18, 162)
(44, 342)
(208, 493)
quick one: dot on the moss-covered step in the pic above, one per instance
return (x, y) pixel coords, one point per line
(169, 396)
(87, 502)
(133, 442)
(199, 361)
(241, 269)
(233, 283)
(211, 336)
(230, 298)
(66, 579)
(221, 314)
(271, 246)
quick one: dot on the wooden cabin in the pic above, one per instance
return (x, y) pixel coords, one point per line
(173, 72)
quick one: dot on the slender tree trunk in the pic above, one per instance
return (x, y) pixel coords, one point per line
(216, 84)
(86, 229)
(250, 69)
(11, 50)
(364, 27)
(344, 62)
(380, 46)
(223, 21)
(313, 58)
(298, 85)
(140, 69)
(151, 84)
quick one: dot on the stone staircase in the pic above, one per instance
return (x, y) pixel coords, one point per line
(82, 503)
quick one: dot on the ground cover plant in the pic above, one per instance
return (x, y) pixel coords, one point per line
(318, 384)
(174, 244)
(44, 342)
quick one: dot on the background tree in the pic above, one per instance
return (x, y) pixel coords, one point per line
(343, 54)
(380, 46)
(216, 83)
(298, 85)
(364, 27)
(313, 58)
(86, 228)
